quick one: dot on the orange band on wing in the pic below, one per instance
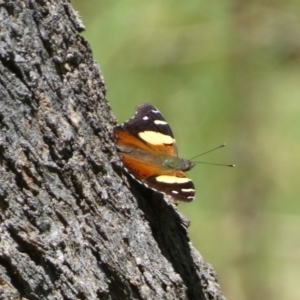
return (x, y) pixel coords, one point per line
(126, 140)
(140, 170)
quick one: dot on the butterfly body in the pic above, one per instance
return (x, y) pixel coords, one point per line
(148, 151)
(177, 164)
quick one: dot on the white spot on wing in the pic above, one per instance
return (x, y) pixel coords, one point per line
(159, 122)
(155, 111)
(175, 192)
(187, 190)
(145, 118)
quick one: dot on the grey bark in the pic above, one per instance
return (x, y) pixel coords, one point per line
(72, 226)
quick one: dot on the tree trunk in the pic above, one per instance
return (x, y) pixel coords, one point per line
(72, 225)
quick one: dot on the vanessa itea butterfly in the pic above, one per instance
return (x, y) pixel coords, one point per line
(149, 154)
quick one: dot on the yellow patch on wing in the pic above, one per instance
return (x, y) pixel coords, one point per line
(126, 142)
(172, 179)
(156, 138)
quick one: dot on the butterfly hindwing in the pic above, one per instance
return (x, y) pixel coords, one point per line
(176, 185)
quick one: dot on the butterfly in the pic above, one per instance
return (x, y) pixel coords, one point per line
(148, 151)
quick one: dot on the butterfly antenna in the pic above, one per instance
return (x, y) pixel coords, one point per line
(221, 146)
(208, 163)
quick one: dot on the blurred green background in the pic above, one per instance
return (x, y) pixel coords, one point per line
(219, 71)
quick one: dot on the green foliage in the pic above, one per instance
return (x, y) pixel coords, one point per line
(219, 72)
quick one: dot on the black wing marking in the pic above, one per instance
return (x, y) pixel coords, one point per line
(144, 120)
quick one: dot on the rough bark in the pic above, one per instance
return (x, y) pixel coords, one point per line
(72, 226)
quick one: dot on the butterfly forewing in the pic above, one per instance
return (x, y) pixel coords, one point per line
(149, 125)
